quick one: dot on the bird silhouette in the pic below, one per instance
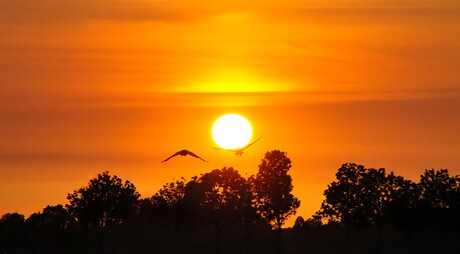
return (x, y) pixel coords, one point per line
(239, 151)
(184, 153)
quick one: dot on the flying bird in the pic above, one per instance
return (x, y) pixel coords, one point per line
(184, 153)
(239, 151)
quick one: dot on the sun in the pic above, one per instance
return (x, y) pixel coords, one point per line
(231, 131)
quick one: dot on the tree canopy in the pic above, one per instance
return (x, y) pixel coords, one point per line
(105, 201)
(273, 187)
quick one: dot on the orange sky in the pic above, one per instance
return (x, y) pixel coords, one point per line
(87, 86)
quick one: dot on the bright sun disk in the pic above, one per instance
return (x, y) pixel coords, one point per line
(231, 131)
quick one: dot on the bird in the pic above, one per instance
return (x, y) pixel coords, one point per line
(184, 153)
(239, 151)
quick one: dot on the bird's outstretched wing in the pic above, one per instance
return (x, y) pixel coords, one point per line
(250, 144)
(196, 156)
(239, 151)
(171, 156)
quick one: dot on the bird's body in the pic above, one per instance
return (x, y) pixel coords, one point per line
(239, 151)
(184, 153)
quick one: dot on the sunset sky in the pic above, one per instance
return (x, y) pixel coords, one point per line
(119, 85)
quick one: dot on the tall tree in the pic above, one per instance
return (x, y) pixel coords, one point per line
(273, 187)
(105, 201)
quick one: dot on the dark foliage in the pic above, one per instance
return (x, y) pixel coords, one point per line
(105, 201)
(273, 187)
(365, 210)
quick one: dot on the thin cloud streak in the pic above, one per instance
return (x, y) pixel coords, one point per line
(199, 99)
(57, 11)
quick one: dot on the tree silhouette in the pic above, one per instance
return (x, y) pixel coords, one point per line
(374, 195)
(374, 198)
(342, 196)
(403, 200)
(299, 222)
(12, 234)
(223, 196)
(401, 210)
(273, 186)
(53, 218)
(221, 205)
(227, 193)
(437, 188)
(170, 194)
(168, 202)
(438, 198)
(50, 229)
(105, 201)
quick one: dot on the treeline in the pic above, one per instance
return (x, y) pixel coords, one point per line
(108, 215)
(365, 199)
(365, 211)
(370, 197)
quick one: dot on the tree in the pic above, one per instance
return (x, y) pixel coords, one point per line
(439, 198)
(299, 223)
(402, 210)
(343, 201)
(170, 194)
(12, 232)
(226, 194)
(53, 219)
(50, 229)
(222, 196)
(402, 202)
(168, 202)
(273, 187)
(342, 196)
(374, 197)
(438, 188)
(312, 223)
(105, 201)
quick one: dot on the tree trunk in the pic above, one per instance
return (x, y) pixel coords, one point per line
(278, 237)
(246, 225)
(218, 235)
(176, 240)
(379, 238)
(101, 244)
(409, 241)
(348, 238)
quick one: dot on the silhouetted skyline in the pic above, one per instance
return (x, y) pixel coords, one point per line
(364, 209)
